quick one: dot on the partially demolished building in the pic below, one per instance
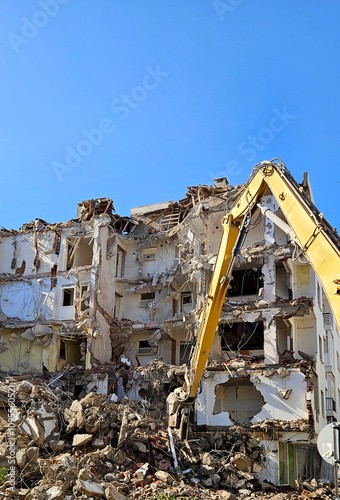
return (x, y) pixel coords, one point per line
(101, 287)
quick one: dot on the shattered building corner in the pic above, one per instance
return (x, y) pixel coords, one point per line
(107, 307)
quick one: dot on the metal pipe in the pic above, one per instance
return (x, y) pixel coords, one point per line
(279, 222)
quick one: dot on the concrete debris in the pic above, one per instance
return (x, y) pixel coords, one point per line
(96, 459)
(81, 439)
(269, 373)
(285, 393)
(283, 372)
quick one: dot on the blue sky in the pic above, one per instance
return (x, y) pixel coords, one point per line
(135, 100)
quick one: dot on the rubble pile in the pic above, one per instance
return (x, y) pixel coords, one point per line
(103, 447)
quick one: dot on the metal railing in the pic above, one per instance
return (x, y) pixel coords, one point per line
(327, 320)
(330, 404)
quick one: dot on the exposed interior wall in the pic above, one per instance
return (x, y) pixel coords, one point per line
(138, 347)
(283, 332)
(240, 398)
(24, 355)
(275, 406)
(282, 284)
(27, 300)
(99, 341)
(271, 467)
(15, 249)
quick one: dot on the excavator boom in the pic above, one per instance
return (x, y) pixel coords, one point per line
(314, 236)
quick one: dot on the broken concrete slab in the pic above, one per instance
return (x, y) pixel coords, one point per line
(90, 488)
(81, 439)
(55, 493)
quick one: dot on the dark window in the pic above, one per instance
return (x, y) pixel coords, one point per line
(245, 282)
(68, 294)
(186, 302)
(144, 348)
(146, 298)
(62, 350)
(84, 297)
(242, 336)
(120, 262)
(70, 254)
(185, 348)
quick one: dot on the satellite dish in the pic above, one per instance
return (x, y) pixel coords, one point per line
(325, 443)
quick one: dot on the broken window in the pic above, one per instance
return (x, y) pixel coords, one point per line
(120, 262)
(67, 296)
(117, 308)
(70, 351)
(146, 298)
(79, 252)
(283, 335)
(240, 398)
(242, 336)
(62, 350)
(186, 302)
(144, 348)
(282, 281)
(149, 254)
(69, 254)
(298, 462)
(54, 279)
(185, 351)
(84, 296)
(245, 282)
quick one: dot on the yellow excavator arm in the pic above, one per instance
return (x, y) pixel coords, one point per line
(307, 227)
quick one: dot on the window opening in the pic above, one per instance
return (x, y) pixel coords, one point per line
(245, 282)
(68, 296)
(185, 349)
(320, 348)
(70, 247)
(120, 262)
(186, 302)
(85, 296)
(144, 348)
(149, 253)
(62, 350)
(239, 336)
(117, 307)
(146, 298)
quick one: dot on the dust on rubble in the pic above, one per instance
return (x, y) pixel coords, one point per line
(105, 447)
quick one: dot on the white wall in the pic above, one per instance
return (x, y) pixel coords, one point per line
(275, 406)
(25, 251)
(27, 300)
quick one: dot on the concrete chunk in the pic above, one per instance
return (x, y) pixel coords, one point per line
(111, 493)
(91, 488)
(55, 493)
(81, 439)
(242, 463)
